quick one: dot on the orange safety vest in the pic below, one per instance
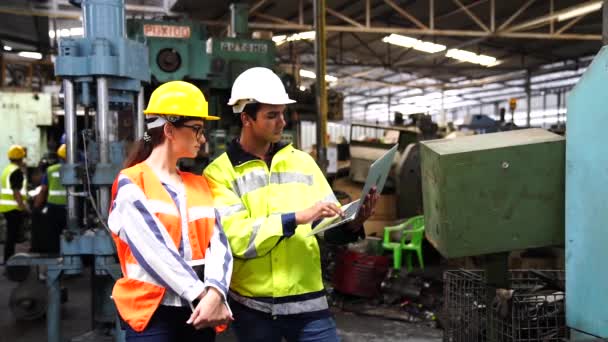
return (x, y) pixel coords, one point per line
(137, 300)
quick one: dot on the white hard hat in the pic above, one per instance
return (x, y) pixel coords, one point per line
(260, 85)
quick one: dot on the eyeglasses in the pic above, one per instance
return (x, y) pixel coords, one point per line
(197, 129)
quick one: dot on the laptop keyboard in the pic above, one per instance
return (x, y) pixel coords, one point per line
(351, 210)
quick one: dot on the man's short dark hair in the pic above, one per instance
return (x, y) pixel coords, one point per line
(251, 109)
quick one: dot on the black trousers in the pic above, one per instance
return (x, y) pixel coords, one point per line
(14, 221)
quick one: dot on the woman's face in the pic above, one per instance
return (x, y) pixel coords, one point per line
(188, 138)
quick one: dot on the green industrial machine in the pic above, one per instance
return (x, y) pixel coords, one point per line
(494, 193)
(182, 50)
(176, 48)
(489, 194)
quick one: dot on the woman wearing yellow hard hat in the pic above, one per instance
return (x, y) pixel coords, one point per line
(175, 258)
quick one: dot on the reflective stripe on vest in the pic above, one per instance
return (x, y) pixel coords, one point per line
(289, 308)
(137, 295)
(135, 271)
(7, 199)
(57, 193)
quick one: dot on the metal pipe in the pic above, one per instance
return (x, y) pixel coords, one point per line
(492, 16)
(443, 113)
(53, 311)
(552, 22)
(71, 142)
(559, 104)
(367, 13)
(432, 14)
(321, 54)
(139, 115)
(104, 137)
(239, 14)
(544, 107)
(70, 120)
(528, 98)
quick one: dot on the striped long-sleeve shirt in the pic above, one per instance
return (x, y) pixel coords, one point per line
(164, 263)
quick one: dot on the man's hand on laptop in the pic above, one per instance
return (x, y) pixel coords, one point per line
(318, 211)
(367, 210)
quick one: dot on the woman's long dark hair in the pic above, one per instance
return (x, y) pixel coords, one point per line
(141, 150)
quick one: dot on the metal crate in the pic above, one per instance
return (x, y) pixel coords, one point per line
(464, 306)
(531, 310)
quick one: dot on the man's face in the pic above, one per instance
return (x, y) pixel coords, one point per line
(269, 123)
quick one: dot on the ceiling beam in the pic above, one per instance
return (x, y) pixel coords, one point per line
(414, 31)
(406, 14)
(570, 24)
(343, 17)
(472, 16)
(516, 14)
(546, 19)
(257, 5)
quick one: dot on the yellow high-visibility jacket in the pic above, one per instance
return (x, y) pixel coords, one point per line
(276, 267)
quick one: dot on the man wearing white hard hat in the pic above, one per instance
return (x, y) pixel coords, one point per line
(270, 195)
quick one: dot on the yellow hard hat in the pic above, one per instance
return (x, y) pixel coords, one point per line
(62, 151)
(179, 98)
(16, 152)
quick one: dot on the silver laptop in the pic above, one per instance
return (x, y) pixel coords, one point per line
(378, 173)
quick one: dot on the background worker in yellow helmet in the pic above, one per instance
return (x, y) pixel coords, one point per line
(175, 258)
(270, 195)
(53, 194)
(13, 202)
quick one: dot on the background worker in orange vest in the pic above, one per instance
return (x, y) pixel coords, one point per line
(166, 229)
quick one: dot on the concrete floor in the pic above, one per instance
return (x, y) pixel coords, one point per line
(76, 320)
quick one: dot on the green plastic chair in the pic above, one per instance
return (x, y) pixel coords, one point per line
(411, 240)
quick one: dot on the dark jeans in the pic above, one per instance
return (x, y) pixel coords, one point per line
(47, 228)
(14, 220)
(168, 324)
(253, 326)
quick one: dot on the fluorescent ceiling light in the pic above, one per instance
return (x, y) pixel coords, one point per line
(67, 32)
(582, 10)
(279, 38)
(76, 31)
(28, 54)
(306, 35)
(416, 44)
(307, 73)
(310, 74)
(471, 57)
(331, 79)
(7, 48)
